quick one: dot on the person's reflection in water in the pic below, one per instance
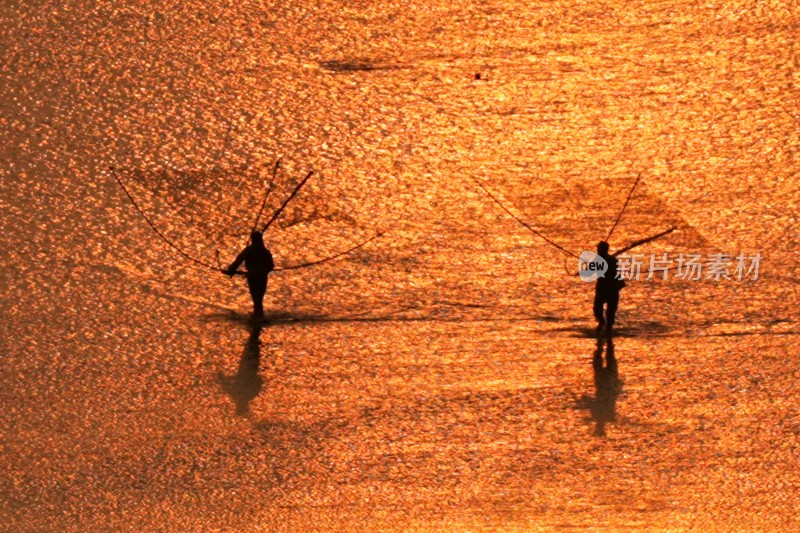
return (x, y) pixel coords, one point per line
(607, 387)
(245, 385)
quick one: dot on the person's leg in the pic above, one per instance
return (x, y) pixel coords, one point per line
(611, 310)
(598, 309)
(258, 288)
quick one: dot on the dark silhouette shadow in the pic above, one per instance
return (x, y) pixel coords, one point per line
(606, 291)
(258, 260)
(608, 387)
(642, 329)
(278, 318)
(245, 385)
(360, 64)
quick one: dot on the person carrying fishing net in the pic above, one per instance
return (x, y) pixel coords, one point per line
(606, 290)
(258, 261)
(607, 287)
(256, 257)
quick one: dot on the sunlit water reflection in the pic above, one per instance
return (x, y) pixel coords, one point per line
(445, 376)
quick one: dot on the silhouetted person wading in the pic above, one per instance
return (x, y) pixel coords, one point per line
(258, 261)
(606, 290)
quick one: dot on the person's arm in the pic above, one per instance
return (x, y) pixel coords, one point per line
(270, 262)
(236, 262)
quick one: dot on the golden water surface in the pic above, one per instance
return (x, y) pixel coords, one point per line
(445, 376)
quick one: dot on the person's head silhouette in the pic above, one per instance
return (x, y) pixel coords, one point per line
(257, 238)
(602, 248)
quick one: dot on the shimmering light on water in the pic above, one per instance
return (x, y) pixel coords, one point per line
(441, 377)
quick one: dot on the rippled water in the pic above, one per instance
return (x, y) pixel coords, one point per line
(445, 376)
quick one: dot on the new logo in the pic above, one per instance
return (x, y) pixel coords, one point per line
(591, 266)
